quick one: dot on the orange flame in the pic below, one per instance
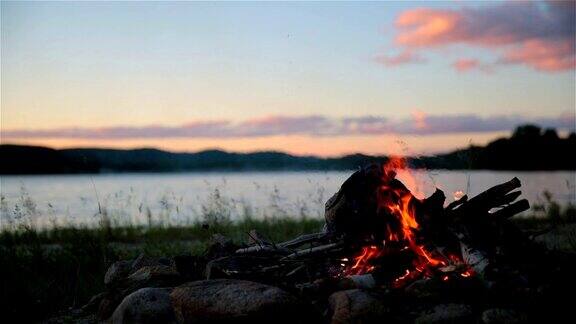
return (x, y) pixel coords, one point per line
(398, 203)
(403, 210)
(362, 262)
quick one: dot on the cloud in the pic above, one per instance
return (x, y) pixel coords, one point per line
(404, 57)
(540, 35)
(548, 56)
(467, 65)
(285, 125)
(313, 125)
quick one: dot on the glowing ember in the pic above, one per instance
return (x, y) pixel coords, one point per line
(400, 280)
(466, 273)
(362, 261)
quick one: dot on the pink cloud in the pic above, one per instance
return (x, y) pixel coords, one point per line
(405, 57)
(419, 123)
(538, 35)
(543, 55)
(465, 65)
(424, 27)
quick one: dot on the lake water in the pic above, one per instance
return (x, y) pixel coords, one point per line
(180, 198)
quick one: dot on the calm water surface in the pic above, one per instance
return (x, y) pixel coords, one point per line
(180, 198)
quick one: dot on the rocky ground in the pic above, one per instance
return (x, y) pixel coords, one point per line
(172, 290)
(50, 276)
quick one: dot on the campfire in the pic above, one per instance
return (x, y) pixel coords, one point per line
(383, 253)
(378, 233)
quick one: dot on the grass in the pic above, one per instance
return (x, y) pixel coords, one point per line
(548, 213)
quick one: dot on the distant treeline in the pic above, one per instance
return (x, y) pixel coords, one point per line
(529, 148)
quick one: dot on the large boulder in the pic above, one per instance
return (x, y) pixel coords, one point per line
(356, 306)
(230, 301)
(147, 305)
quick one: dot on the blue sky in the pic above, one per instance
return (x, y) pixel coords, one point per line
(104, 65)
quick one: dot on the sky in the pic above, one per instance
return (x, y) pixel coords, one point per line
(320, 78)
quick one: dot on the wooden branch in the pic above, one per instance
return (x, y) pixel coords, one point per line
(284, 246)
(256, 248)
(311, 251)
(302, 240)
(507, 199)
(511, 210)
(484, 200)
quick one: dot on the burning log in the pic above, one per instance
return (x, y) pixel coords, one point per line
(353, 209)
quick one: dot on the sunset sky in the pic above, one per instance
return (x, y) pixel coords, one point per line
(306, 78)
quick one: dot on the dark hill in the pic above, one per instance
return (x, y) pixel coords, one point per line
(529, 148)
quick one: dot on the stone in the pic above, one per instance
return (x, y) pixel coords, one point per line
(117, 272)
(158, 276)
(447, 313)
(147, 305)
(225, 300)
(356, 306)
(154, 276)
(501, 315)
(142, 260)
